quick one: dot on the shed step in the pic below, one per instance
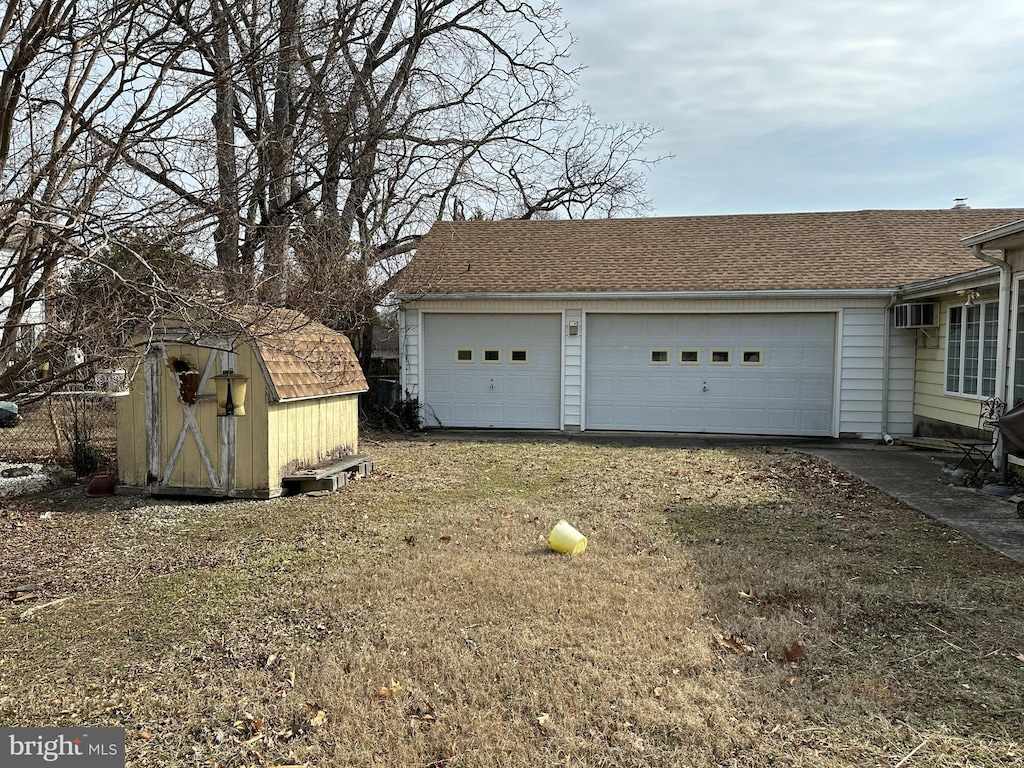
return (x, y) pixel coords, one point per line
(328, 478)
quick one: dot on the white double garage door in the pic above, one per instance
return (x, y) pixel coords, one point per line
(724, 373)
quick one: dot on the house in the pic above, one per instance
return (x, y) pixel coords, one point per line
(970, 347)
(776, 324)
(293, 405)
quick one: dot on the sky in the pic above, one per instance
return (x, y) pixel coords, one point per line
(813, 105)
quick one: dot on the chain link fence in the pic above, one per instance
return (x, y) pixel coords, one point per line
(75, 430)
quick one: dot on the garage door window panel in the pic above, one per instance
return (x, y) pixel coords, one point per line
(519, 356)
(689, 357)
(752, 357)
(463, 355)
(658, 357)
(721, 357)
(492, 356)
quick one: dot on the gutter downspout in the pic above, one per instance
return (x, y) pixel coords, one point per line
(885, 370)
(1002, 339)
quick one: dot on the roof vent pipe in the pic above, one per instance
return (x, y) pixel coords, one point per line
(960, 203)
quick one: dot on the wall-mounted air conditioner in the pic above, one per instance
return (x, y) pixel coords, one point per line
(921, 315)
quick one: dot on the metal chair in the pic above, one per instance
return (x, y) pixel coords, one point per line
(978, 453)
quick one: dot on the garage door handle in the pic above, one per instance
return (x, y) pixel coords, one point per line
(492, 384)
(705, 387)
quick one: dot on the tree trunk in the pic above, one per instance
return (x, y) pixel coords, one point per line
(279, 160)
(226, 234)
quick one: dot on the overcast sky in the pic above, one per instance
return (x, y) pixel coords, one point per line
(809, 105)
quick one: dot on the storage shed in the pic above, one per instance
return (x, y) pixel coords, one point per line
(230, 407)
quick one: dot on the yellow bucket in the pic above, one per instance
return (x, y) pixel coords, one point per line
(565, 538)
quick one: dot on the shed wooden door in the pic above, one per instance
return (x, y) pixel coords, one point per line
(190, 449)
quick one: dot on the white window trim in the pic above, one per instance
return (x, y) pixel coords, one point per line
(689, 362)
(711, 357)
(652, 361)
(513, 361)
(982, 305)
(1017, 324)
(464, 362)
(485, 361)
(745, 352)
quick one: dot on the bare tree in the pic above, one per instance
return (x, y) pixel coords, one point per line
(426, 108)
(303, 148)
(82, 83)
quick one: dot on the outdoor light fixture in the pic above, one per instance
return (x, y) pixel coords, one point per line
(231, 388)
(971, 296)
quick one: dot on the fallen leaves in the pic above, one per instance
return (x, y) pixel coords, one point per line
(735, 644)
(793, 653)
(423, 715)
(389, 691)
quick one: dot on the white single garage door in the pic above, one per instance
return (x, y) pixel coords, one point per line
(484, 370)
(768, 374)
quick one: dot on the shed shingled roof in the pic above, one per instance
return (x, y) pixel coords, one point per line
(789, 251)
(302, 358)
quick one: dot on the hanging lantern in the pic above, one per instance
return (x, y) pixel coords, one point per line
(231, 388)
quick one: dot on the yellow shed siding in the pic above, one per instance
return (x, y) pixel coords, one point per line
(310, 432)
(131, 434)
(189, 470)
(930, 398)
(251, 429)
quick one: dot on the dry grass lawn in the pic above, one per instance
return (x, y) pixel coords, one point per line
(734, 608)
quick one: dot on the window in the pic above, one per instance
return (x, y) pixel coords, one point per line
(463, 355)
(659, 357)
(689, 357)
(971, 349)
(751, 357)
(492, 355)
(721, 357)
(518, 356)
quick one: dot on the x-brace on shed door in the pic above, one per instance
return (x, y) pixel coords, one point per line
(190, 449)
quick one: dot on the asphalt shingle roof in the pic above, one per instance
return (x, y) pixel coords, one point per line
(790, 251)
(302, 358)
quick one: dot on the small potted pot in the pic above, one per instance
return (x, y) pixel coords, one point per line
(100, 485)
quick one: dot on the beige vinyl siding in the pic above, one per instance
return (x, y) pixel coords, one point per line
(309, 432)
(572, 365)
(409, 352)
(930, 398)
(902, 356)
(618, 306)
(860, 389)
